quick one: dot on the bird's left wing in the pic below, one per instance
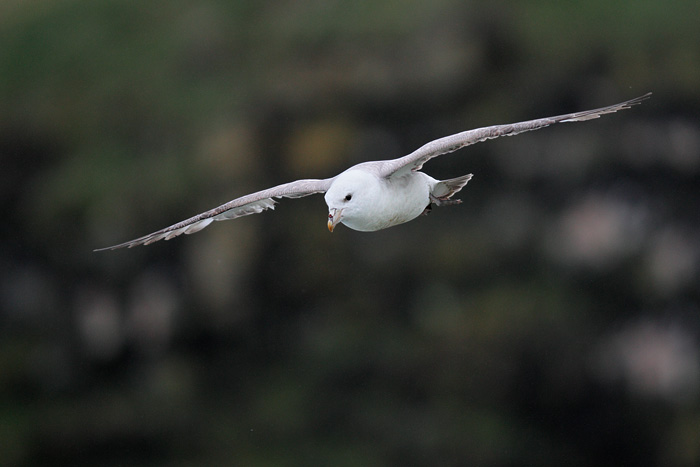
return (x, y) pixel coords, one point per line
(239, 207)
(420, 156)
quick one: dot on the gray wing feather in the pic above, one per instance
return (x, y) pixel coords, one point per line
(420, 156)
(249, 204)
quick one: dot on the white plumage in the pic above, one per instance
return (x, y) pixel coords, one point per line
(374, 195)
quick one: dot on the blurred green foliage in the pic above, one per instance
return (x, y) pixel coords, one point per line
(552, 318)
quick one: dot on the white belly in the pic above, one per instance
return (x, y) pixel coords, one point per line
(401, 200)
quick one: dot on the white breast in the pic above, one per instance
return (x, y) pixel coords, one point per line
(394, 201)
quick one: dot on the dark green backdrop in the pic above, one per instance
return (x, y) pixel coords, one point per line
(551, 319)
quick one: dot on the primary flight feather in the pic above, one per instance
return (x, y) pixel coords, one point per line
(378, 194)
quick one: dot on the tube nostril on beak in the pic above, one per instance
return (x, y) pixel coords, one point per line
(331, 220)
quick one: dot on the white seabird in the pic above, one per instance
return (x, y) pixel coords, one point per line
(378, 194)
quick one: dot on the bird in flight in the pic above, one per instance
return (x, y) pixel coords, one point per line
(378, 194)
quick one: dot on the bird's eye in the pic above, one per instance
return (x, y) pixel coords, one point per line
(348, 197)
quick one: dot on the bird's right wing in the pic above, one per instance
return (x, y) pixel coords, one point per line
(249, 204)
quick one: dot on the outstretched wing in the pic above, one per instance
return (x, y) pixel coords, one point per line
(420, 156)
(239, 207)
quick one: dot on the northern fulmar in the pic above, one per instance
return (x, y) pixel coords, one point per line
(378, 194)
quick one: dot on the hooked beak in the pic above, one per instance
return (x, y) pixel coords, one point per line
(334, 216)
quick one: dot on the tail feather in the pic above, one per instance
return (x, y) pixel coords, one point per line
(444, 189)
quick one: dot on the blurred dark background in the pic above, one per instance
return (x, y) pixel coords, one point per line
(551, 319)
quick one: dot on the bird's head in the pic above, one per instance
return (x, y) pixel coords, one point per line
(347, 197)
